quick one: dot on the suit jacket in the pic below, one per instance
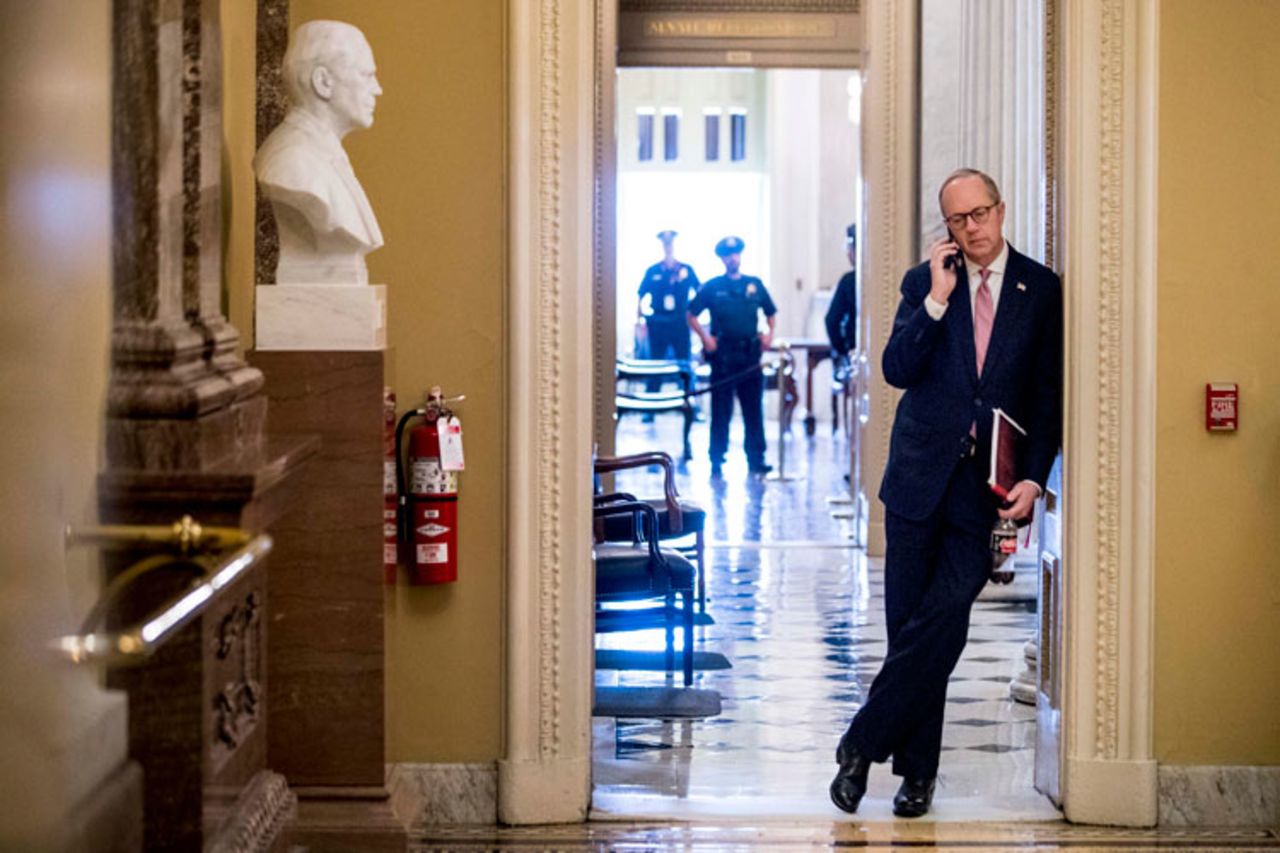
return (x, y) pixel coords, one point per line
(935, 363)
(842, 315)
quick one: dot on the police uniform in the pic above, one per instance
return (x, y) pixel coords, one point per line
(668, 289)
(735, 304)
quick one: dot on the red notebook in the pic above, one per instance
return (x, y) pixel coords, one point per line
(1006, 439)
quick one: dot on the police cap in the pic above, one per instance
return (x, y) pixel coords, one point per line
(667, 236)
(729, 246)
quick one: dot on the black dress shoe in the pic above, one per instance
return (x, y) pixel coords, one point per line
(760, 468)
(914, 797)
(851, 779)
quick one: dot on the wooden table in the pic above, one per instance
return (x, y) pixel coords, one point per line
(815, 351)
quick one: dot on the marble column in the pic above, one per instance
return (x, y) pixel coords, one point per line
(179, 398)
(1001, 115)
(982, 106)
(889, 244)
(185, 428)
(273, 38)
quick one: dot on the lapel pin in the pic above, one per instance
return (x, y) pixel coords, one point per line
(1021, 286)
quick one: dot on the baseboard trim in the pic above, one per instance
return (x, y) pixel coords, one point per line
(258, 818)
(555, 791)
(1194, 795)
(1110, 792)
(444, 794)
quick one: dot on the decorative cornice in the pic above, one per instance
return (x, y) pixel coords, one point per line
(550, 438)
(830, 7)
(1111, 259)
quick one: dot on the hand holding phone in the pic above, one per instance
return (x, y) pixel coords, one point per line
(944, 262)
(951, 261)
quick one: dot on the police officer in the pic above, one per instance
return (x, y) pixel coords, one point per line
(733, 347)
(667, 284)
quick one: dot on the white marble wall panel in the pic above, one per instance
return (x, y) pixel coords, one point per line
(1219, 796)
(444, 794)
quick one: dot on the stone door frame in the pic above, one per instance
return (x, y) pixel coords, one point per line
(1105, 170)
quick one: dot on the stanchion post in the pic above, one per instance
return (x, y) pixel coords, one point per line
(786, 403)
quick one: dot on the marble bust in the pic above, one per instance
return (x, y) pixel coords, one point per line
(325, 223)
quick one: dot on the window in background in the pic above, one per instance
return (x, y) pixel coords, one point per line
(737, 134)
(644, 132)
(711, 133)
(670, 134)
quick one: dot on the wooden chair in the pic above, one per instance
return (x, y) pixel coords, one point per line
(677, 518)
(640, 571)
(645, 402)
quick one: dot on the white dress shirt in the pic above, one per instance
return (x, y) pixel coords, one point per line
(994, 282)
(972, 268)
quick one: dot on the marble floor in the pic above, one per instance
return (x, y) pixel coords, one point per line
(799, 613)
(774, 835)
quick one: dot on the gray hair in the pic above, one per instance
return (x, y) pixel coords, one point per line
(331, 44)
(992, 189)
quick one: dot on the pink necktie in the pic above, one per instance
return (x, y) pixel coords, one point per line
(984, 314)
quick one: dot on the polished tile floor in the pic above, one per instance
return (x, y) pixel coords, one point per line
(799, 613)
(815, 835)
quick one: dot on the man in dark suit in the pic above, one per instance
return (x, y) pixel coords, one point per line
(979, 332)
(842, 315)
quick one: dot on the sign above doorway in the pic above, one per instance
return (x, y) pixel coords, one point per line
(755, 33)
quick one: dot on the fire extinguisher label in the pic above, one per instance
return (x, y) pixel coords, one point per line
(433, 554)
(451, 445)
(433, 530)
(430, 478)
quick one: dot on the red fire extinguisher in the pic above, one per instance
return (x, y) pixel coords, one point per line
(429, 500)
(390, 498)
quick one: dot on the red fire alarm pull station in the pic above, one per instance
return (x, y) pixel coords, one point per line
(1221, 406)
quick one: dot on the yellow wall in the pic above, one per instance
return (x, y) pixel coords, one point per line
(433, 166)
(239, 76)
(1218, 495)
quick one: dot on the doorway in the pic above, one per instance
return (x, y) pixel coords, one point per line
(562, 65)
(794, 610)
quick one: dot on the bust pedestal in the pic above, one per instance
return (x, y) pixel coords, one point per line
(326, 729)
(310, 317)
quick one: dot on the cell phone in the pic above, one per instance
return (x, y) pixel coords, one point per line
(952, 261)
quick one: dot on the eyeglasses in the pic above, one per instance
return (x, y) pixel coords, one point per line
(978, 215)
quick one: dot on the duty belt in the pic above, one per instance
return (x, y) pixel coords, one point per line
(738, 344)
